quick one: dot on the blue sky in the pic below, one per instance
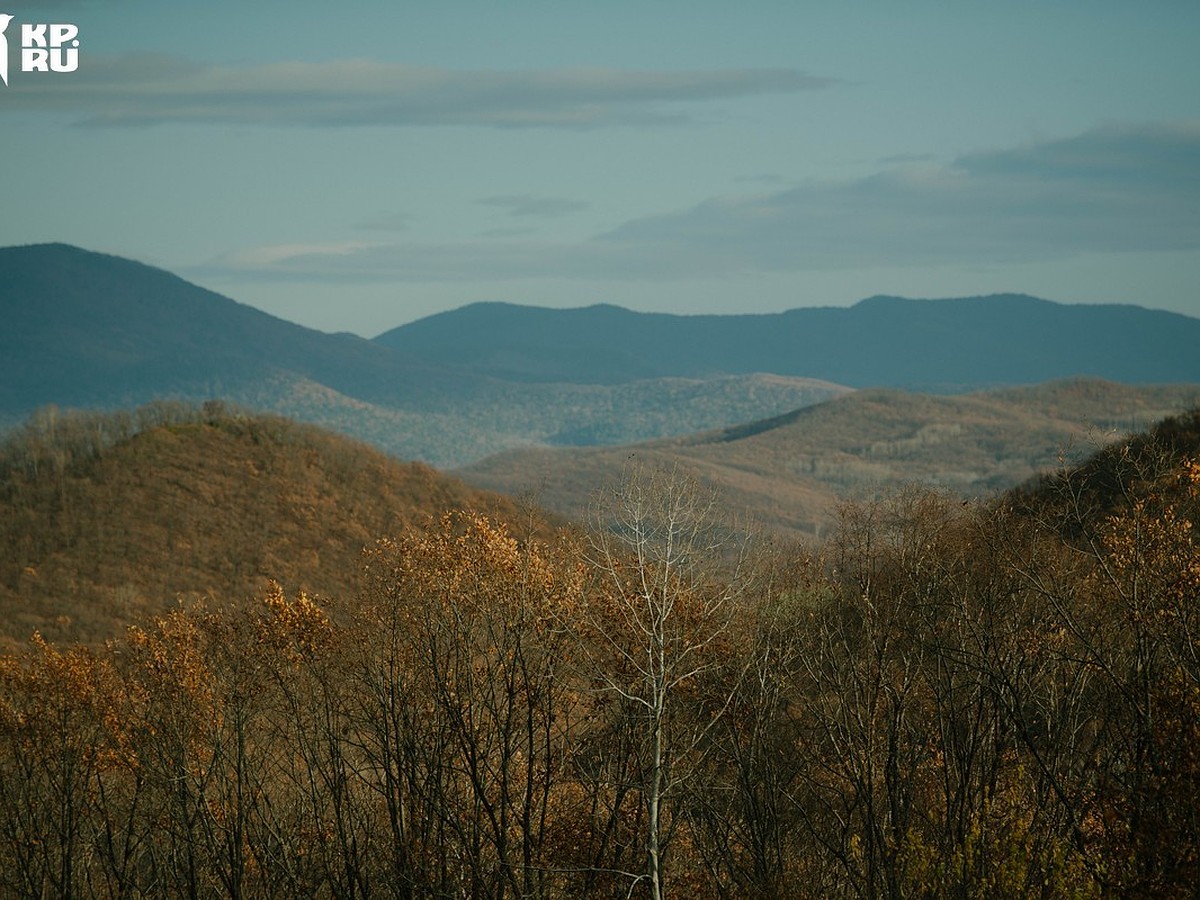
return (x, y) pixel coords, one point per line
(355, 167)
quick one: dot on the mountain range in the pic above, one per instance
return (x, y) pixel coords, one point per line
(83, 329)
(925, 345)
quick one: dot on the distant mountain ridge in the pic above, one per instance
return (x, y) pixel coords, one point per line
(84, 329)
(87, 328)
(940, 345)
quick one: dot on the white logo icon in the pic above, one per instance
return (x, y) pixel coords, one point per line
(44, 47)
(5, 18)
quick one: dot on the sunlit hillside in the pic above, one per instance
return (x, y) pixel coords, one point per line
(789, 472)
(106, 518)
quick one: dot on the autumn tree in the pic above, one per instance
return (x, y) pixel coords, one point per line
(741, 809)
(59, 733)
(911, 698)
(1122, 590)
(465, 714)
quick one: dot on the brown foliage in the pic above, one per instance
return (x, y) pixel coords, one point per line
(980, 700)
(107, 518)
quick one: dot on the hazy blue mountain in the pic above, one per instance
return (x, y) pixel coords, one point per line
(85, 329)
(940, 345)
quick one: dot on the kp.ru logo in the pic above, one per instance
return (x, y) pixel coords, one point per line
(44, 48)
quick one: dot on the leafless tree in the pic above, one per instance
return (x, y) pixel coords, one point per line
(669, 584)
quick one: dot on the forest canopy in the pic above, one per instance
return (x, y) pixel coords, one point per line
(980, 699)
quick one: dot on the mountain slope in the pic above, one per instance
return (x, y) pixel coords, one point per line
(882, 341)
(83, 328)
(1144, 466)
(103, 518)
(788, 472)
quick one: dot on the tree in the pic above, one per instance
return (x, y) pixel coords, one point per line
(741, 812)
(669, 585)
(463, 713)
(1123, 596)
(57, 738)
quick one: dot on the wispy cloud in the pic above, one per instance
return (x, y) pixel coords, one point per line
(1110, 189)
(495, 259)
(275, 255)
(907, 158)
(506, 232)
(148, 89)
(386, 222)
(766, 178)
(531, 205)
(1114, 189)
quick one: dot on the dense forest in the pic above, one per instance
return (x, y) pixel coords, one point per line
(945, 698)
(106, 517)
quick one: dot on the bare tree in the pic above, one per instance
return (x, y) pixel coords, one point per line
(668, 592)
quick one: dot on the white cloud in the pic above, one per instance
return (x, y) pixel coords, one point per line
(149, 89)
(494, 259)
(270, 256)
(766, 178)
(1111, 190)
(386, 222)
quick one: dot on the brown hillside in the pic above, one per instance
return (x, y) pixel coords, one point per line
(1141, 466)
(788, 473)
(104, 519)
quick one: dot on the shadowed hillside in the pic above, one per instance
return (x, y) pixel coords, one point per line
(104, 519)
(83, 328)
(1115, 476)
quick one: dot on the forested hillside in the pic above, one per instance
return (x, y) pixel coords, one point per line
(787, 473)
(106, 518)
(945, 699)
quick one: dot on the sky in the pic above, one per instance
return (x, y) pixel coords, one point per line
(359, 166)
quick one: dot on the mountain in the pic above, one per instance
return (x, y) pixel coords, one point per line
(84, 329)
(87, 329)
(788, 472)
(105, 518)
(939, 345)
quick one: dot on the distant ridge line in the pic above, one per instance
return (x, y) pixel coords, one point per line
(944, 345)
